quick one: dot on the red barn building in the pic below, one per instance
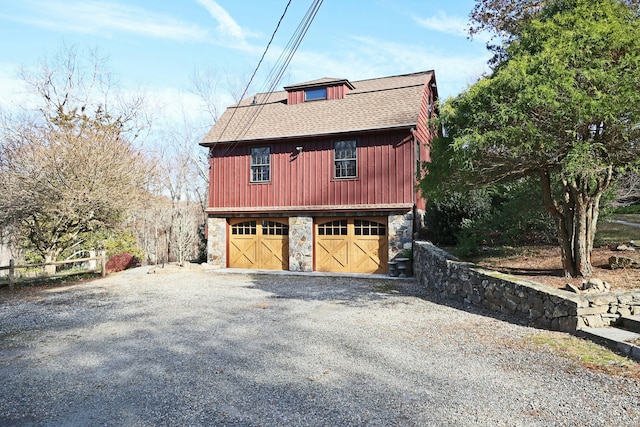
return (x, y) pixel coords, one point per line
(320, 176)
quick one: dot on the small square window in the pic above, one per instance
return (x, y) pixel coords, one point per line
(345, 159)
(260, 164)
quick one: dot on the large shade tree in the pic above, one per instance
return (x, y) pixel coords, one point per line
(562, 103)
(69, 166)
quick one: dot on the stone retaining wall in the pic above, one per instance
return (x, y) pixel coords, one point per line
(536, 304)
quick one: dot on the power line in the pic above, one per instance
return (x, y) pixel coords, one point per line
(285, 59)
(275, 75)
(244, 93)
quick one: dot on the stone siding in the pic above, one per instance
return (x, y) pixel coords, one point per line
(217, 242)
(534, 303)
(301, 243)
(400, 233)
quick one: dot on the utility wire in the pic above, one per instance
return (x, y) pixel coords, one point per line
(246, 89)
(285, 59)
(275, 75)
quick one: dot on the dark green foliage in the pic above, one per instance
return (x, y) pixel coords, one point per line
(202, 244)
(562, 104)
(631, 209)
(519, 217)
(446, 219)
(113, 242)
(509, 214)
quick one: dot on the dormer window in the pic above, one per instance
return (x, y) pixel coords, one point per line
(315, 94)
(320, 89)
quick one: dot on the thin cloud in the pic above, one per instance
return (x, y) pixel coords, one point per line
(230, 33)
(454, 71)
(226, 24)
(454, 25)
(444, 23)
(95, 17)
(11, 87)
(364, 58)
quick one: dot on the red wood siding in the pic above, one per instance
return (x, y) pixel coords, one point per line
(295, 97)
(386, 174)
(336, 92)
(422, 133)
(333, 92)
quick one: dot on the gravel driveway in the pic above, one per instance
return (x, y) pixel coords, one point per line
(215, 348)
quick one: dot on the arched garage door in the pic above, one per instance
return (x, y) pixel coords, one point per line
(353, 245)
(259, 243)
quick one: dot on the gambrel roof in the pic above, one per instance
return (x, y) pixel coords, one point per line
(373, 104)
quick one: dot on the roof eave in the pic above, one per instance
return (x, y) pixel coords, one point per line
(311, 135)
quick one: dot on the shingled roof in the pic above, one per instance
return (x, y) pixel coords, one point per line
(387, 102)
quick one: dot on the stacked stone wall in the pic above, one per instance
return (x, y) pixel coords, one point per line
(400, 233)
(300, 243)
(217, 242)
(534, 303)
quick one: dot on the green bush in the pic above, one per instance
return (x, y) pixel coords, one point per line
(631, 209)
(113, 242)
(508, 214)
(445, 219)
(519, 217)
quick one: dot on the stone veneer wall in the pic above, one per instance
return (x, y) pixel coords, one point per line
(539, 305)
(300, 243)
(217, 242)
(400, 233)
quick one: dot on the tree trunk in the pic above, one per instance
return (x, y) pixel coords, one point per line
(576, 217)
(50, 256)
(582, 240)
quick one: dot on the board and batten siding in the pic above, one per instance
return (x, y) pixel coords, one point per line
(423, 133)
(386, 174)
(333, 92)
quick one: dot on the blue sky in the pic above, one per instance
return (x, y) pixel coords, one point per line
(157, 44)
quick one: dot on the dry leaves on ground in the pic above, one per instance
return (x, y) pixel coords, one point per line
(544, 265)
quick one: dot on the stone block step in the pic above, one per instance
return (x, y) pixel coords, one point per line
(631, 323)
(616, 339)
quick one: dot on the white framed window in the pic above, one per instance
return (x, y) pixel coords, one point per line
(345, 159)
(260, 164)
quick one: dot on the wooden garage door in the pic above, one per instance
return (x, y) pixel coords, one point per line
(259, 243)
(353, 245)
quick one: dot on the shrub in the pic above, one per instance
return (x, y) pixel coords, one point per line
(630, 209)
(445, 219)
(502, 214)
(519, 217)
(122, 261)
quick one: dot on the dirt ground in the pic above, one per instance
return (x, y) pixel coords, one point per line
(544, 265)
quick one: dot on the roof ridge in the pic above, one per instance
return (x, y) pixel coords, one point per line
(397, 75)
(361, 92)
(339, 79)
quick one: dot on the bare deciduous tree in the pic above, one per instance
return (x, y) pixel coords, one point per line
(70, 167)
(628, 189)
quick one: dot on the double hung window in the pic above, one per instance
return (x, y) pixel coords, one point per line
(260, 164)
(345, 159)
